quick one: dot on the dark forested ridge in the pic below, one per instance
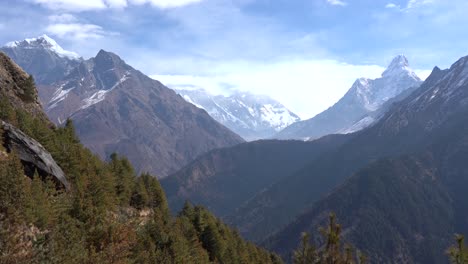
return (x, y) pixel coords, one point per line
(399, 187)
(410, 127)
(406, 207)
(108, 215)
(224, 179)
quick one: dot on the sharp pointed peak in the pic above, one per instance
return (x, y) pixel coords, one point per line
(399, 60)
(399, 65)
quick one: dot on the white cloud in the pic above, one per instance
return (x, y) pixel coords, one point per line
(116, 3)
(84, 5)
(412, 4)
(418, 3)
(423, 74)
(392, 5)
(307, 87)
(63, 18)
(77, 31)
(72, 5)
(337, 2)
(165, 3)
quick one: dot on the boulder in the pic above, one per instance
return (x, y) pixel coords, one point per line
(33, 155)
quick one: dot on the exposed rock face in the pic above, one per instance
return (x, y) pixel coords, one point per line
(32, 154)
(116, 108)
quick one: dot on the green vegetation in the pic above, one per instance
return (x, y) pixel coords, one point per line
(333, 252)
(29, 90)
(458, 253)
(109, 216)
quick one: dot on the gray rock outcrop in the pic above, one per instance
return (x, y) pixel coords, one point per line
(33, 155)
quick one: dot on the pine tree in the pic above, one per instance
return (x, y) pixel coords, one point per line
(39, 206)
(29, 90)
(140, 197)
(332, 252)
(13, 201)
(124, 178)
(306, 253)
(458, 253)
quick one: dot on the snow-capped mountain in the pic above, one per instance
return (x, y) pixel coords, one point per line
(43, 58)
(117, 109)
(361, 106)
(44, 42)
(251, 116)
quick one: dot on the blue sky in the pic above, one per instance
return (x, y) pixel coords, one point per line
(304, 53)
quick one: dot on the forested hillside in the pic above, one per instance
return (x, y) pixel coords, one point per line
(108, 215)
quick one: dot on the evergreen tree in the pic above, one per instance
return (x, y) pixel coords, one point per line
(332, 252)
(29, 90)
(124, 178)
(40, 208)
(306, 253)
(458, 253)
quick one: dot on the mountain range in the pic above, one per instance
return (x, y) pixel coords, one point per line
(251, 116)
(389, 158)
(361, 106)
(91, 211)
(397, 186)
(116, 108)
(417, 194)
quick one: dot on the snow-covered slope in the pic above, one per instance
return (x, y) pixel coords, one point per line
(42, 57)
(251, 116)
(361, 106)
(45, 42)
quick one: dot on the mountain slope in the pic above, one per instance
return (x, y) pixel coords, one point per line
(251, 116)
(108, 215)
(118, 109)
(405, 129)
(396, 211)
(224, 179)
(357, 108)
(419, 200)
(17, 88)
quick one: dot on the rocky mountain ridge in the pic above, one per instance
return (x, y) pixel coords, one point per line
(116, 108)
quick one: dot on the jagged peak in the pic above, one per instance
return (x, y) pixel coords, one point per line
(399, 61)
(45, 42)
(107, 59)
(398, 66)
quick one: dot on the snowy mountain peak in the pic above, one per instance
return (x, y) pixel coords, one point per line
(43, 42)
(399, 66)
(399, 61)
(249, 115)
(361, 106)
